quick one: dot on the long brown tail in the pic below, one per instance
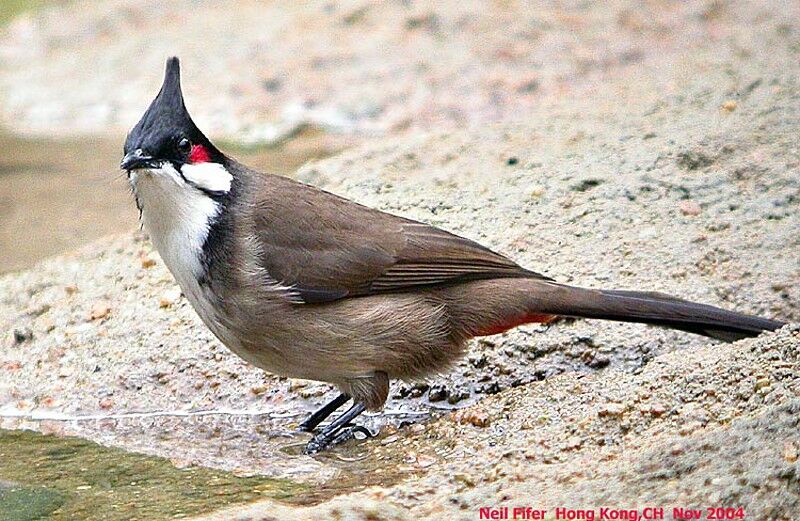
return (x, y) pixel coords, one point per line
(649, 308)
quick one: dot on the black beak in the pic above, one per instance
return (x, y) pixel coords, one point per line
(137, 159)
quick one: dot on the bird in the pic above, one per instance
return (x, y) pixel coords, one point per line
(303, 283)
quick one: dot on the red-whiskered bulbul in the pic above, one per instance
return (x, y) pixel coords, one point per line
(306, 284)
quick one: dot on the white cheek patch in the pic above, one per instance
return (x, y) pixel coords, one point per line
(208, 176)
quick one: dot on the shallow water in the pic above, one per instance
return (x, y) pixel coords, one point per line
(71, 478)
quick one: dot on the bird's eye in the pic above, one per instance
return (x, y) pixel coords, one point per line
(184, 146)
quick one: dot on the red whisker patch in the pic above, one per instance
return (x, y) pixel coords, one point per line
(199, 154)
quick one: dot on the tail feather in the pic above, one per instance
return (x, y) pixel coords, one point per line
(650, 308)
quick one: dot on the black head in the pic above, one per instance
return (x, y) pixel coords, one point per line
(166, 132)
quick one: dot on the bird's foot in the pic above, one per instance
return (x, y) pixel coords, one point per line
(325, 439)
(311, 423)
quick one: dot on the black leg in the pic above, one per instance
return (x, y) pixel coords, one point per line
(332, 434)
(326, 410)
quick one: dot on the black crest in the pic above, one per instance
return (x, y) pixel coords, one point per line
(166, 121)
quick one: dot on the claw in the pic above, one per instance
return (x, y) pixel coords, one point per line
(323, 441)
(338, 431)
(363, 430)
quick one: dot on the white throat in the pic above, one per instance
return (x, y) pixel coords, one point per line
(178, 216)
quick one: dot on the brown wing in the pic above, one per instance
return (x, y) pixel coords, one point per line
(328, 248)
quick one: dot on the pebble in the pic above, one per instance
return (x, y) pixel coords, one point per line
(437, 393)
(47, 324)
(425, 461)
(761, 383)
(169, 298)
(389, 440)
(472, 417)
(573, 442)
(148, 262)
(690, 208)
(790, 452)
(38, 310)
(100, 310)
(312, 392)
(258, 390)
(689, 428)
(22, 335)
(297, 384)
(612, 409)
(729, 105)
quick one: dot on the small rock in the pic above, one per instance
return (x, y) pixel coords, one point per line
(464, 479)
(457, 395)
(100, 310)
(22, 335)
(47, 324)
(437, 393)
(790, 452)
(537, 191)
(694, 159)
(729, 106)
(258, 390)
(106, 403)
(472, 417)
(761, 383)
(657, 409)
(612, 409)
(148, 262)
(312, 392)
(38, 311)
(169, 298)
(71, 289)
(689, 428)
(425, 461)
(297, 384)
(599, 361)
(389, 440)
(586, 185)
(690, 208)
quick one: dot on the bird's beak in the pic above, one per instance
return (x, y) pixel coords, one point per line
(138, 159)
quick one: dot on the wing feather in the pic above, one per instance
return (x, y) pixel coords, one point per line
(329, 248)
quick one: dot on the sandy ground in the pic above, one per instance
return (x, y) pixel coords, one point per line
(676, 171)
(258, 69)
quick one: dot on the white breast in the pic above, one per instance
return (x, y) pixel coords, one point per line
(178, 218)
